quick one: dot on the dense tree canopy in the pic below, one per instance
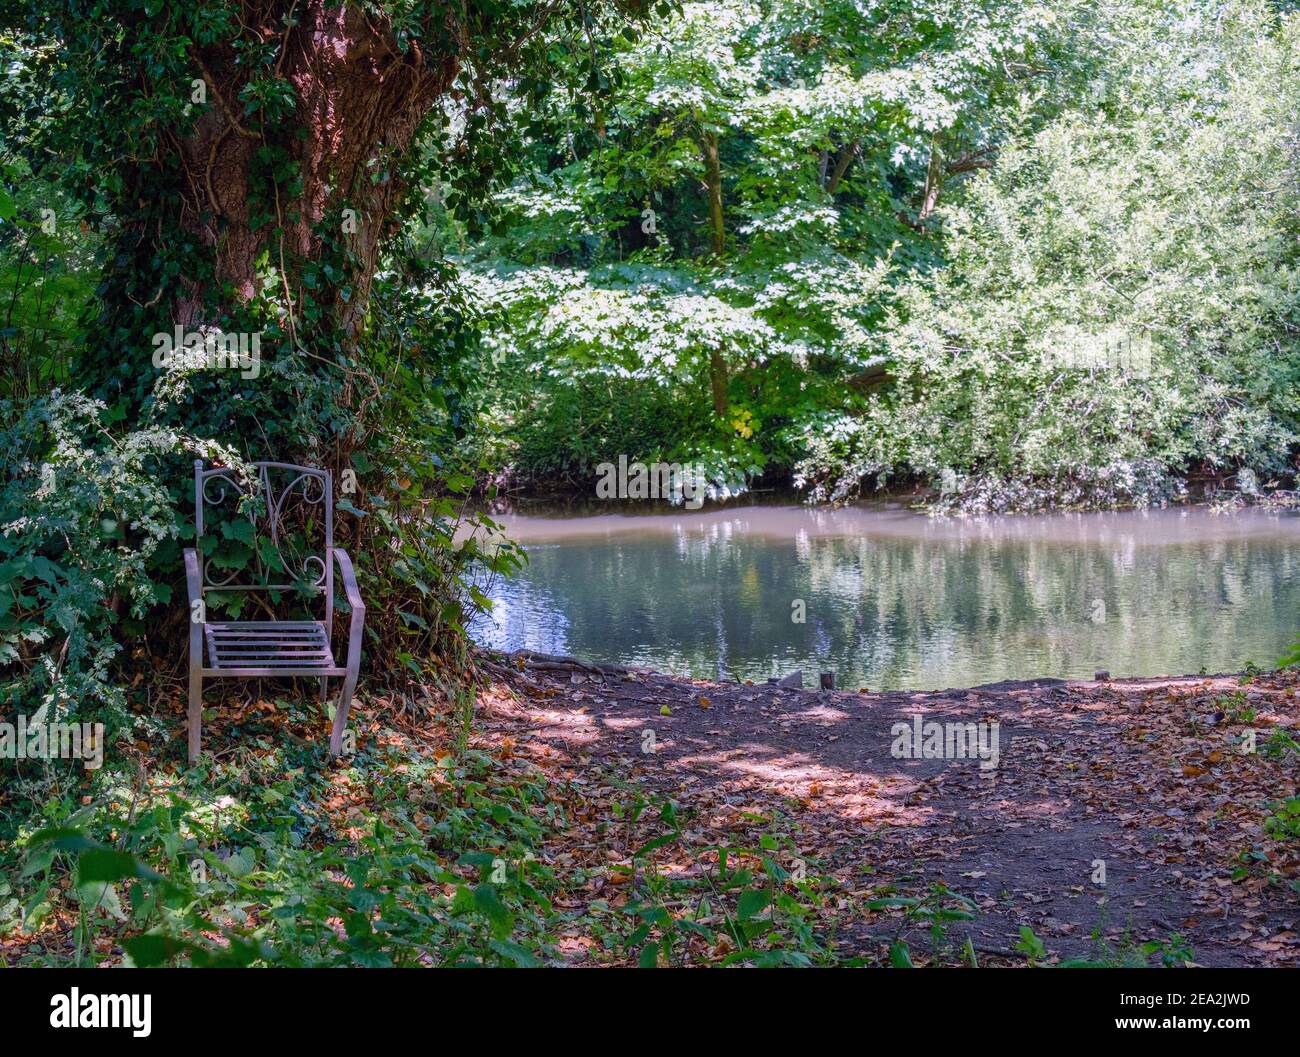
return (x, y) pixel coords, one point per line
(925, 226)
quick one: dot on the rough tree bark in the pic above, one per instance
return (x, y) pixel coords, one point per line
(359, 101)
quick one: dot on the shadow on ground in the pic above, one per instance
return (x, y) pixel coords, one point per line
(1117, 814)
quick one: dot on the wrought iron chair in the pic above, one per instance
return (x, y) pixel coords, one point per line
(246, 649)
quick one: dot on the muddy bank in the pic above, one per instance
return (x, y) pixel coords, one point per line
(1116, 814)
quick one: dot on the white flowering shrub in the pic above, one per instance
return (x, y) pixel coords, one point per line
(1168, 213)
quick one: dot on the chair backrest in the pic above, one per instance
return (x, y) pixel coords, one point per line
(280, 499)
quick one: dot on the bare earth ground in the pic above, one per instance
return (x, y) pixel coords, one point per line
(1146, 775)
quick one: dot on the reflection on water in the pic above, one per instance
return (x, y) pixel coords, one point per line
(895, 600)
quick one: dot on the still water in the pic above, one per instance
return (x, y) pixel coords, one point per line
(892, 599)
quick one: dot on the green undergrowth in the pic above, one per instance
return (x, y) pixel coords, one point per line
(402, 854)
(394, 858)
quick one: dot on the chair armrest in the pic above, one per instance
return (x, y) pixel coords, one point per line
(358, 606)
(193, 575)
(349, 577)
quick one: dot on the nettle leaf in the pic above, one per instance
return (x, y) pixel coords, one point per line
(488, 903)
(515, 954)
(753, 902)
(232, 556)
(238, 529)
(62, 839)
(109, 864)
(101, 895)
(152, 950)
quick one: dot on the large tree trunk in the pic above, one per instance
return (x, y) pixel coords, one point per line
(359, 102)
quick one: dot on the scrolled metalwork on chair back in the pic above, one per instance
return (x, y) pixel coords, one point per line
(276, 490)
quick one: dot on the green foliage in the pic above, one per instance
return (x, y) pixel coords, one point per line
(724, 909)
(415, 530)
(859, 243)
(1284, 823)
(83, 520)
(617, 360)
(938, 907)
(1174, 952)
(607, 269)
(1031, 946)
(247, 868)
(1027, 195)
(47, 276)
(1160, 211)
(173, 138)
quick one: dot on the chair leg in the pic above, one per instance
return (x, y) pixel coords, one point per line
(324, 695)
(195, 715)
(341, 713)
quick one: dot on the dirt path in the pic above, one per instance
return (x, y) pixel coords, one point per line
(1144, 778)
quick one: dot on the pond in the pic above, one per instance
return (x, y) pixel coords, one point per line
(892, 599)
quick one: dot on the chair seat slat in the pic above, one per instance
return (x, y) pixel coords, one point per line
(280, 646)
(263, 643)
(273, 673)
(252, 635)
(304, 654)
(266, 623)
(274, 662)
